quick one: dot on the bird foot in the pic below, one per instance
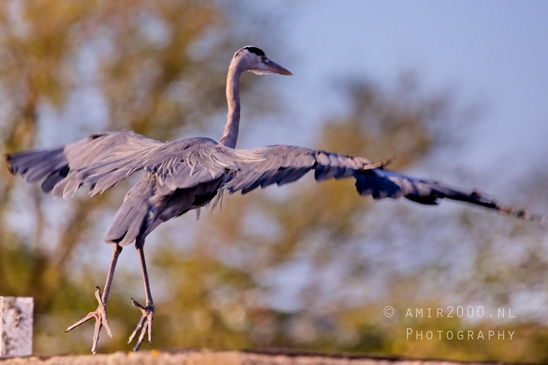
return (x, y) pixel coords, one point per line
(145, 322)
(101, 320)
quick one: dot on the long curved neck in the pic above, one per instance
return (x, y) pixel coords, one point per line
(230, 134)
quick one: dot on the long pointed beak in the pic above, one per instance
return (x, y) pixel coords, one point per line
(276, 68)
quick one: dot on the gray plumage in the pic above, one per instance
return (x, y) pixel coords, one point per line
(188, 174)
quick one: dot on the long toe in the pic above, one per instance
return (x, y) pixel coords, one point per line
(101, 320)
(144, 324)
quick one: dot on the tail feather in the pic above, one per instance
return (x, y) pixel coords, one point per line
(131, 220)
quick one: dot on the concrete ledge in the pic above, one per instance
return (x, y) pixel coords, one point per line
(16, 326)
(189, 357)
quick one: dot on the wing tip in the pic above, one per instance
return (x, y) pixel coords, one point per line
(523, 214)
(9, 159)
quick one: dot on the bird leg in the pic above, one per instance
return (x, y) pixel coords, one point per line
(100, 313)
(148, 310)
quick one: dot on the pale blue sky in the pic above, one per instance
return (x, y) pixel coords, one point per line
(490, 53)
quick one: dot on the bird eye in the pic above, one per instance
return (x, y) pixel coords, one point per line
(263, 58)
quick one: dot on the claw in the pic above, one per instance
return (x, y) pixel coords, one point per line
(145, 322)
(101, 320)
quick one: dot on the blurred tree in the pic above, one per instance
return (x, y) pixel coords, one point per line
(338, 262)
(70, 69)
(306, 266)
(313, 225)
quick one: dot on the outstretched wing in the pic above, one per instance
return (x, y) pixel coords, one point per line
(104, 159)
(283, 164)
(100, 160)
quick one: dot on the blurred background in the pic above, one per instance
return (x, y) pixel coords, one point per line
(457, 91)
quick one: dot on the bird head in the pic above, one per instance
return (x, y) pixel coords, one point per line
(254, 60)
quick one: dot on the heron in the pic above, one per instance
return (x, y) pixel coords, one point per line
(190, 173)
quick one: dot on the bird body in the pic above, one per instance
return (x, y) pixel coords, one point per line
(188, 174)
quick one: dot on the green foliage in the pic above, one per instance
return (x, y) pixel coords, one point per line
(147, 61)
